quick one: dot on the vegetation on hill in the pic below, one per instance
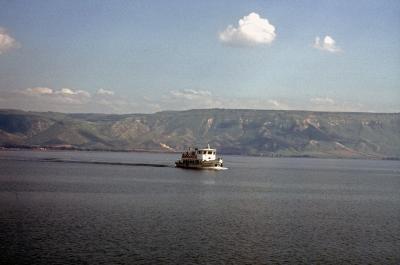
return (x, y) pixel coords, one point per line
(246, 132)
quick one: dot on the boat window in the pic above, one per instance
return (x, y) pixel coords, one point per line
(204, 152)
(199, 152)
(210, 152)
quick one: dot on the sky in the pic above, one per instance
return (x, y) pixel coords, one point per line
(149, 56)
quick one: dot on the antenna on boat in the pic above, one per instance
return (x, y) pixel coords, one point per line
(208, 145)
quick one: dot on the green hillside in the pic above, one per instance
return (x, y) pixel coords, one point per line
(247, 132)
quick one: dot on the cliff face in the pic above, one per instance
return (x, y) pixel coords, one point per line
(252, 132)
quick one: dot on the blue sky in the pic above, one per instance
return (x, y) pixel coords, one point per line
(147, 56)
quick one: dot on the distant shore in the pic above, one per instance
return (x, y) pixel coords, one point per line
(260, 133)
(71, 148)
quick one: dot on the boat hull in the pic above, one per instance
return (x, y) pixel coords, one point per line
(198, 164)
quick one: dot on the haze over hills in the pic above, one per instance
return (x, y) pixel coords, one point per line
(231, 131)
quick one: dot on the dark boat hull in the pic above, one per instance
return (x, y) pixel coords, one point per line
(197, 164)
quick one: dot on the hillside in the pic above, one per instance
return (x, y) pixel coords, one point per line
(247, 132)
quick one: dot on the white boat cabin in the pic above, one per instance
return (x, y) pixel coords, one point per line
(204, 154)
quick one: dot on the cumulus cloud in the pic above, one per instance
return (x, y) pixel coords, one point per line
(48, 96)
(39, 91)
(190, 93)
(72, 100)
(329, 104)
(105, 92)
(66, 92)
(275, 103)
(251, 30)
(327, 44)
(322, 101)
(72, 92)
(6, 41)
(203, 99)
(189, 99)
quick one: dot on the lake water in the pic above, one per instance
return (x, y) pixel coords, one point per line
(136, 208)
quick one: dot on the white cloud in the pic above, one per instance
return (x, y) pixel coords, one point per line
(275, 103)
(72, 100)
(322, 101)
(189, 99)
(72, 92)
(66, 91)
(252, 30)
(105, 92)
(190, 93)
(329, 104)
(203, 99)
(49, 96)
(39, 91)
(253, 103)
(6, 41)
(327, 44)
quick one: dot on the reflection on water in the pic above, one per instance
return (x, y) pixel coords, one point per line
(107, 208)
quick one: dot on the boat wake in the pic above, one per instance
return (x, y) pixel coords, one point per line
(70, 161)
(220, 168)
(58, 160)
(106, 163)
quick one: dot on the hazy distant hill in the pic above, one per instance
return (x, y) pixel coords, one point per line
(253, 132)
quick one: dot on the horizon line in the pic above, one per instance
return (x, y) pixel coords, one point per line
(199, 109)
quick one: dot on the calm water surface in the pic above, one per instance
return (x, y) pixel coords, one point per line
(136, 208)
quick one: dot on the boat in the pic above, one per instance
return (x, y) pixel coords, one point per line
(205, 158)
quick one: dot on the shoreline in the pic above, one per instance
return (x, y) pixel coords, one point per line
(61, 149)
